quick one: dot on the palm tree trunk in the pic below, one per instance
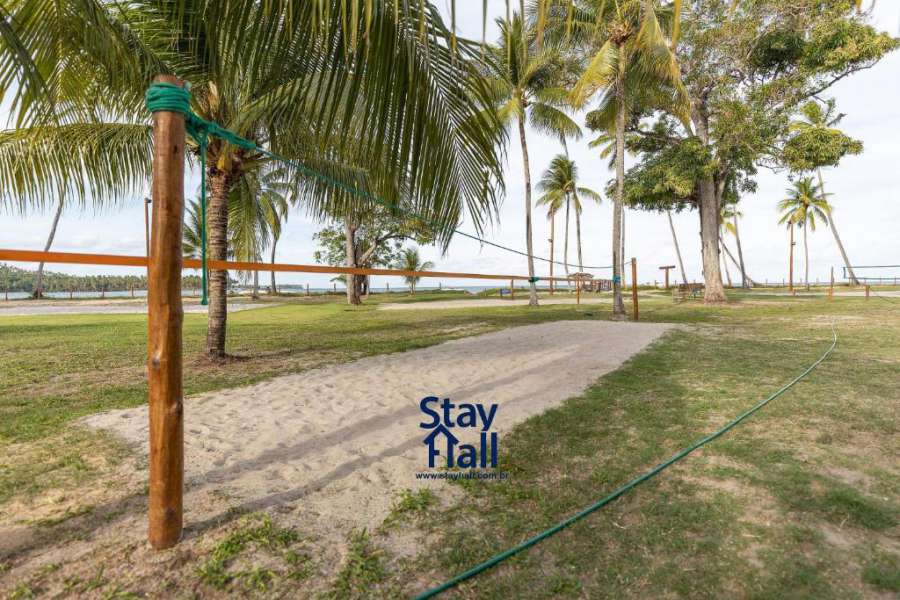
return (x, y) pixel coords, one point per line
(578, 236)
(677, 248)
(273, 289)
(255, 294)
(552, 258)
(618, 304)
(791, 257)
(532, 298)
(566, 240)
(217, 239)
(745, 280)
(38, 291)
(806, 254)
(730, 256)
(622, 251)
(837, 238)
(724, 262)
(350, 246)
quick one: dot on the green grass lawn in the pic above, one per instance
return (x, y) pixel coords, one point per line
(801, 501)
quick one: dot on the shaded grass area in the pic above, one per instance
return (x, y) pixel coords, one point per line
(801, 501)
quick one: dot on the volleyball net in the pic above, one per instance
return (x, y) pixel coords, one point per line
(874, 274)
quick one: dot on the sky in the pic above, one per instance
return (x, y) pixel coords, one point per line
(865, 195)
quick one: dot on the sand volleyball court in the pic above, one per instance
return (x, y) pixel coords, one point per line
(333, 445)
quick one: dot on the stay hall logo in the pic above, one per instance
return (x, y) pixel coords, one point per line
(446, 422)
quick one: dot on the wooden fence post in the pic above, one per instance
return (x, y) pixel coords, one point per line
(164, 342)
(867, 291)
(634, 295)
(512, 290)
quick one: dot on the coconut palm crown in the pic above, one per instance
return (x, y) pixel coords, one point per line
(386, 100)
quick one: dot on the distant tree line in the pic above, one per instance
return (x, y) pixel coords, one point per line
(14, 279)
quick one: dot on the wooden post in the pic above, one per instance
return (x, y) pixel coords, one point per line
(512, 290)
(307, 289)
(867, 291)
(578, 291)
(831, 286)
(388, 284)
(634, 296)
(666, 268)
(164, 342)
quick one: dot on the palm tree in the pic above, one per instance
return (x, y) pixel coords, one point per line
(411, 261)
(559, 185)
(554, 204)
(524, 78)
(729, 217)
(804, 204)
(633, 54)
(276, 209)
(38, 291)
(192, 233)
(255, 211)
(397, 113)
(830, 145)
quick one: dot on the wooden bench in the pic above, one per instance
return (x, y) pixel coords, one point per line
(685, 291)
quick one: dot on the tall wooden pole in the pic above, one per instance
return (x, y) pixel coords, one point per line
(512, 290)
(164, 351)
(634, 297)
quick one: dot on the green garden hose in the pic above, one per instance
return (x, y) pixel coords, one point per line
(497, 559)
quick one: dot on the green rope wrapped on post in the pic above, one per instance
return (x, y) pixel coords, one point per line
(533, 279)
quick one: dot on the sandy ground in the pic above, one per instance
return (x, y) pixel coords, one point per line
(32, 307)
(346, 438)
(491, 302)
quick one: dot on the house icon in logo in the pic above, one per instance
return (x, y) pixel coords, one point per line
(433, 440)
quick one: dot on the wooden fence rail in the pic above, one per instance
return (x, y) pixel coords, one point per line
(193, 263)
